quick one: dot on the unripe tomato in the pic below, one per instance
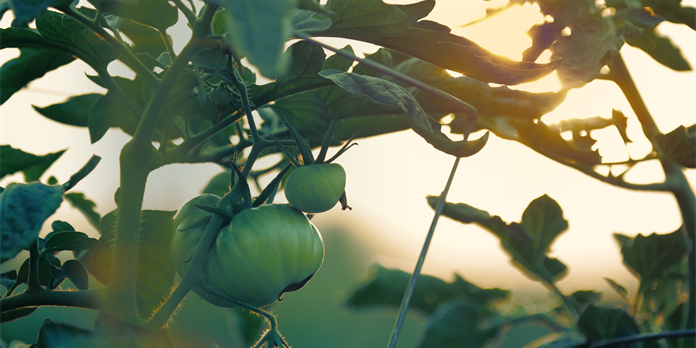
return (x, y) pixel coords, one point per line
(315, 188)
(185, 238)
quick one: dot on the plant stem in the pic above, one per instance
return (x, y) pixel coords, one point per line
(82, 299)
(33, 283)
(622, 341)
(190, 16)
(421, 260)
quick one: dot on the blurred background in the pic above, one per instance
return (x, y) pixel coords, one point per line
(388, 179)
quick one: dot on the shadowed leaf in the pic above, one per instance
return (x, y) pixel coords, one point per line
(679, 145)
(32, 64)
(33, 166)
(73, 112)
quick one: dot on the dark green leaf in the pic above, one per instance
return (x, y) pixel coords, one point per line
(527, 242)
(399, 28)
(60, 226)
(63, 335)
(455, 323)
(386, 288)
(557, 340)
(155, 274)
(32, 64)
(8, 279)
(249, 325)
(661, 49)
(85, 206)
(306, 21)
(73, 112)
(26, 11)
(15, 314)
(382, 56)
(340, 63)
(82, 173)
(155, 13)
(33, 166)
(387, 93)
(145, 39)
(76, 272)
(109, 333)
(46, 266)
(104, 114)
(23, 210)
(649, 258)
(259, 29)
(664, 297)
(598, 323)
(69, 241)
(620, 290)
(679, 145)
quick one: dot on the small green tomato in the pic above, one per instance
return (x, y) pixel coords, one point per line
(315, 188)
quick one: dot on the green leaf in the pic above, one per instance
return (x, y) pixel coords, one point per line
(381, 56)
(8, 279)
(673, 11)
(592, 44)
(306, 61)
(60, 226)
(32, 64)
(249, 325)
(85, 206)
(649, 258)
(307, 22)
(156, 273)
(104, 114)
(679, 145)
(387, 93)
(81, 173)
(598, 323)
(620, 290)
(455, 323)
(76, 272)
(109, 333)
(259, 29)
(69, 241)
(145, 40)
(527, 242)
(26, 11)
(558, 340)
(219, 185)
(15, 314)
(23, 210)
(33, 166)
(400, 28)
(73, 112)
(154, 13)
(386, 288)
(661, 49)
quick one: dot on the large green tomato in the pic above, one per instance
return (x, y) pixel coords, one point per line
(263, 252)
(315, 188)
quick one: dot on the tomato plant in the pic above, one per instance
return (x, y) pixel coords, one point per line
(203, 103)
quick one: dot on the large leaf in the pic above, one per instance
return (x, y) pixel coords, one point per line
(399, 28)
(23, 210)
(33, 166)
(155, 274)
(386, 288)
(32, 64)
(661, 49)
(528, 242)
(598, 323)
(26, 11)
(456, 323)
(679, 145)
(155, 13)
(387, 93)
(649, 258)
(73, 112)
(259, 29)
(85, 206)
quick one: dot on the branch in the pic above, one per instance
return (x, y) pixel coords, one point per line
(83, 299)
(644, 337)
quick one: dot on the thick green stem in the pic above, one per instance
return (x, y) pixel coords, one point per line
(81, 299)
(674, 176)
(33, 283)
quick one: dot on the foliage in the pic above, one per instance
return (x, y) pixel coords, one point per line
(196, 106)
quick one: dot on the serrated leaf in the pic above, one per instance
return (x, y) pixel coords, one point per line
(73, 112)
(593, 43)
(15, 314)
(649, 258)
(661, 49)
(85, 206)
(455, 323)
(598, 323)
(679, 145)
(528, 242)
(33, 166)
(155, 274)
(69, 241)
(32, 64)
(386, 93)
(386, 287)
(259, 29)
(23, 210)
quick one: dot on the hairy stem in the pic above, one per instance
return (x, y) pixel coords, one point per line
(82, 299)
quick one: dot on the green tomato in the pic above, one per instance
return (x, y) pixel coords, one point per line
(315, 188)
(263, 252)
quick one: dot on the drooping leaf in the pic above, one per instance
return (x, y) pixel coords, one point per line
(33, 166)
(593, 43)
(32, 64)
(386, 288)
(679, 145)
(399, 28)
(259, 29)
(528, 242)
(67, 240)
(661, 49)
(73, 112)
(47, 264)
(599, 323)
(387, 93)
(106, 112)
(23, 210)
(76, 272)
(85, 206)
(15, 314)
(155, 274)
(649, 258)
(455, 323)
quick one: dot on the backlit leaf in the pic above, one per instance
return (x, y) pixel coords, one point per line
(679, 145)
(599, 323)
(85, 206)
(33, 166)
(73, 112)
(32, 64)
(661, 49)
(455, 323)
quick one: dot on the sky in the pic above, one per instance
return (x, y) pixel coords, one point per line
(390, 176)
